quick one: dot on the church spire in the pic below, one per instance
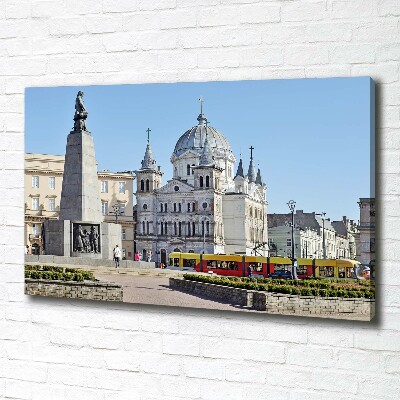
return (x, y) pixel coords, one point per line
(251, 174)
(148, 161)
(201, 118)
(206, 157)
(259, 179)
(240, 171)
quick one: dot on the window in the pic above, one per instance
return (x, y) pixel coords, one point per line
(180, 228)
(165, 207)
(52, 182)
(148, 227)
(188, 169)
(104, 207)
(144, 206)
(204, 205)
(35, 203)
(288, 242)
(52, 204)
(193, 206)
(193, 229)
(123, 234)
(174, 207)
(121, 187)
(188, 207)
(175, 228)
(104, 186)
(207, 181)
(123, 253)
(192, 169)
(143, 228)
(201, 182)
(202, 228)
(179, 207)
(35, 181)
(208, 227)
(147, 185)
(142, 185)
(122, 208)
(162, 207)
(35, 229)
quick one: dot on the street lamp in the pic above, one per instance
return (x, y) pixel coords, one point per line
(322, 215)
(292, 205)
(117, 211)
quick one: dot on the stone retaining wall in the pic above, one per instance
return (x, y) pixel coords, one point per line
(231, 295)
(279, 303)
(74, 290)
(86, 261)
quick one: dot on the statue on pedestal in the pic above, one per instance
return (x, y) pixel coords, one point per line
(80, 113)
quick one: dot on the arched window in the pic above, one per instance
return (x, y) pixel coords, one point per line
(142, 185)
(202, 228)
(162, 207)
(179, 207)
(193, 228)
(180, 228)
(201, 182)
(188, 227)
(208, 227)
(165, 207)
(148, 227)
(174, 207)
(207, 181)
(166, 228)
(188, 207)
(192, 169)
(175, 229)
(188, 169)
(143, 228)
(161, 228)
(147, 185)
(193, 206)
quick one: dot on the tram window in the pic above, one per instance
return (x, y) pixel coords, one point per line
(326, 271)
(256, 267)
(302, 269)
(281, 267)
(176, 262)
(349, 273)
(341, 272)
(189, 263)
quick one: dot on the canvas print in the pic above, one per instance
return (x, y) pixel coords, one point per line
(246, 196)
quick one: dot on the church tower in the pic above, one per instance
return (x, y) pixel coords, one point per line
(241, 181)
(148, 180)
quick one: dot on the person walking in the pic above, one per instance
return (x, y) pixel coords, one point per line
(249, 272)
(117, 255)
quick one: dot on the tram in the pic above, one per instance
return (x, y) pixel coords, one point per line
(238, 265)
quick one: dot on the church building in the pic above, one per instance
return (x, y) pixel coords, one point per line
(204, 208)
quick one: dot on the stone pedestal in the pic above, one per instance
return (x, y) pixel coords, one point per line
(80, 195)
(59, 239)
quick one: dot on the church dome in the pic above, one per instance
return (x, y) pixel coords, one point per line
(193, 139)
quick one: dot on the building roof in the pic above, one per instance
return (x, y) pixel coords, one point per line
(194, 138)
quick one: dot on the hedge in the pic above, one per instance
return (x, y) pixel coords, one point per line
(46, 272)
(320, 288)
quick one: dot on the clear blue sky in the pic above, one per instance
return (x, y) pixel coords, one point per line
(311, 136)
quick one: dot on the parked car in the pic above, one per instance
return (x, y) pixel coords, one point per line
(281, 274)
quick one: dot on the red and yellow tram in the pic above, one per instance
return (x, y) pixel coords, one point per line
(238, 265)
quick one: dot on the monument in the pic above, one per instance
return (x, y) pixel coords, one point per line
(80, 230)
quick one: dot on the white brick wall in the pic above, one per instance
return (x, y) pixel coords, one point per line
(55, 349)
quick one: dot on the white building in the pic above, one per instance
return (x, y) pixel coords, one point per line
(204, 208)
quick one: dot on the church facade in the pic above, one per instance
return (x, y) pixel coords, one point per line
(204, 208)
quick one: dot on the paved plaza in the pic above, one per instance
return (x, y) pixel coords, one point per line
(152, 289)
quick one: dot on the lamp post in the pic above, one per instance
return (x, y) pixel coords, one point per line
(322, 215)
(292, 205)
(117, 211)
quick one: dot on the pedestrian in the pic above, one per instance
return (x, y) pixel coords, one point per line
(249, 272)
(117, 255)
(137, 256)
